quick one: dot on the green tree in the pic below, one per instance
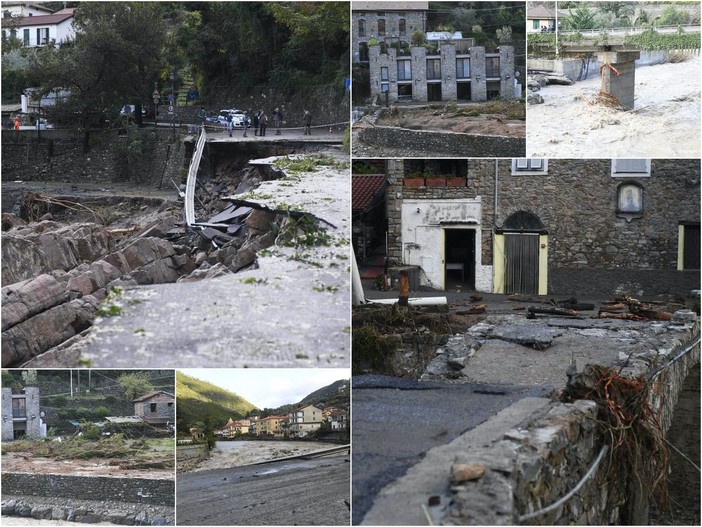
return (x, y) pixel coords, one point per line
(671, 17)
(580, 19)
(135, 384)
(115, 58)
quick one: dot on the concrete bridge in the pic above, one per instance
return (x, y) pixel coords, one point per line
(549, 462)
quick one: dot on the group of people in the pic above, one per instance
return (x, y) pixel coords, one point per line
(259, 122)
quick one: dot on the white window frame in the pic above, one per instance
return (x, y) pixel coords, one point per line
(624, 172)
(529, 166)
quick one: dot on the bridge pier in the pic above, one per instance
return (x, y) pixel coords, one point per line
(618, 74)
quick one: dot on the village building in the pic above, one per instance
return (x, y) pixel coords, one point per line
(304, 421)
(36, 29)
(537, 226)
(542, 19)
(156, 408)
(21, 414)
(377, 20)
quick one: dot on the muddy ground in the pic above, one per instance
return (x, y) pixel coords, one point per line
(228, 454)
(498, 118)
(665, 121)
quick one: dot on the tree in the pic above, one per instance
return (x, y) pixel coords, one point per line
(465, 18)
(671, 17)
(135, 384)
(115, 58)
(580, 19)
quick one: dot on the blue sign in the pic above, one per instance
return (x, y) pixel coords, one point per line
(348, 84)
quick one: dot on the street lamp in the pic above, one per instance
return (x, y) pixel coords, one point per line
(157, 97)
(171, 107)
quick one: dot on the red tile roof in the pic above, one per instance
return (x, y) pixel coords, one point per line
(364, 188)
(39, 20)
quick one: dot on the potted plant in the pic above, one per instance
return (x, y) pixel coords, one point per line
(414, 179)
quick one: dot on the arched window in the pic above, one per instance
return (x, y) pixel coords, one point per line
(403, 27)
(381, 28)
(361, 28)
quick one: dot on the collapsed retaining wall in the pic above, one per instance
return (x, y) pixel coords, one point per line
(127, 489)
(444, 143)
(532, 467)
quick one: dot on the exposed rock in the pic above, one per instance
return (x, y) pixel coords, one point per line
(142, 518)
(8, 507)
(534, 98)
(44, 247)
(25, 299)
(260, 221)
(157, 272)
(41, 513)
(58, 513)
(463, 472)
(47, 329)
(143, 251)
(684, 316)
(10, 221)
(119, 261)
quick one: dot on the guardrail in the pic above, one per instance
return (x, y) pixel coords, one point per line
(617, 31)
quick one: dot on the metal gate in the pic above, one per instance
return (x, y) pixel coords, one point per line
(522, 266)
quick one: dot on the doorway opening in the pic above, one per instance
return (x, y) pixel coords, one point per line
(404, 91)
(459, 259)
(434, 92)
(463, 91)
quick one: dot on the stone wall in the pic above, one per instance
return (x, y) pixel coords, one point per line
(445, 143)
(192, 451)
(532, 467)
(59, 156)
(591, 250)
(128, 489)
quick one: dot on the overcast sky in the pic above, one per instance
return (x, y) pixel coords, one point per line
(270, 388)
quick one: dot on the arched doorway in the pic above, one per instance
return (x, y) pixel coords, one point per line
(520, 251)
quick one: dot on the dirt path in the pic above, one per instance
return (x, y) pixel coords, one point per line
(228, 454)
(664, 123)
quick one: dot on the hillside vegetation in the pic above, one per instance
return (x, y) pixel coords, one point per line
(202, 402)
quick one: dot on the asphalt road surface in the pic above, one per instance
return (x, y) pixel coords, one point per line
(396, 420)
(299, 492)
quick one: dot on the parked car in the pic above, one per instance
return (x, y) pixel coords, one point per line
(237, 118)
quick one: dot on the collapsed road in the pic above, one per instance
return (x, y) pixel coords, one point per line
(298, 492)
(259, 277)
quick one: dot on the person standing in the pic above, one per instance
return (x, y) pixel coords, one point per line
(307, 119)
(277, 119)
(263, 122)
(255, 123)
(17, 123)
(229, 124)
(246, 123)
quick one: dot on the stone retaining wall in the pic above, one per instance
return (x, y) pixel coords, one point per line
(192, 451)
(127, 489)
(445, 143)
(59, 156)
(533, 467)
(606, 283)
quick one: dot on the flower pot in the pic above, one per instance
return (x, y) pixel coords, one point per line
(414, 182)
(436, 182)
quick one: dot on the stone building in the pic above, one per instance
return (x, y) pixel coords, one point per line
(536, 226)
(447, 71)
(21, 415)
(157, 408)
(378, 20)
